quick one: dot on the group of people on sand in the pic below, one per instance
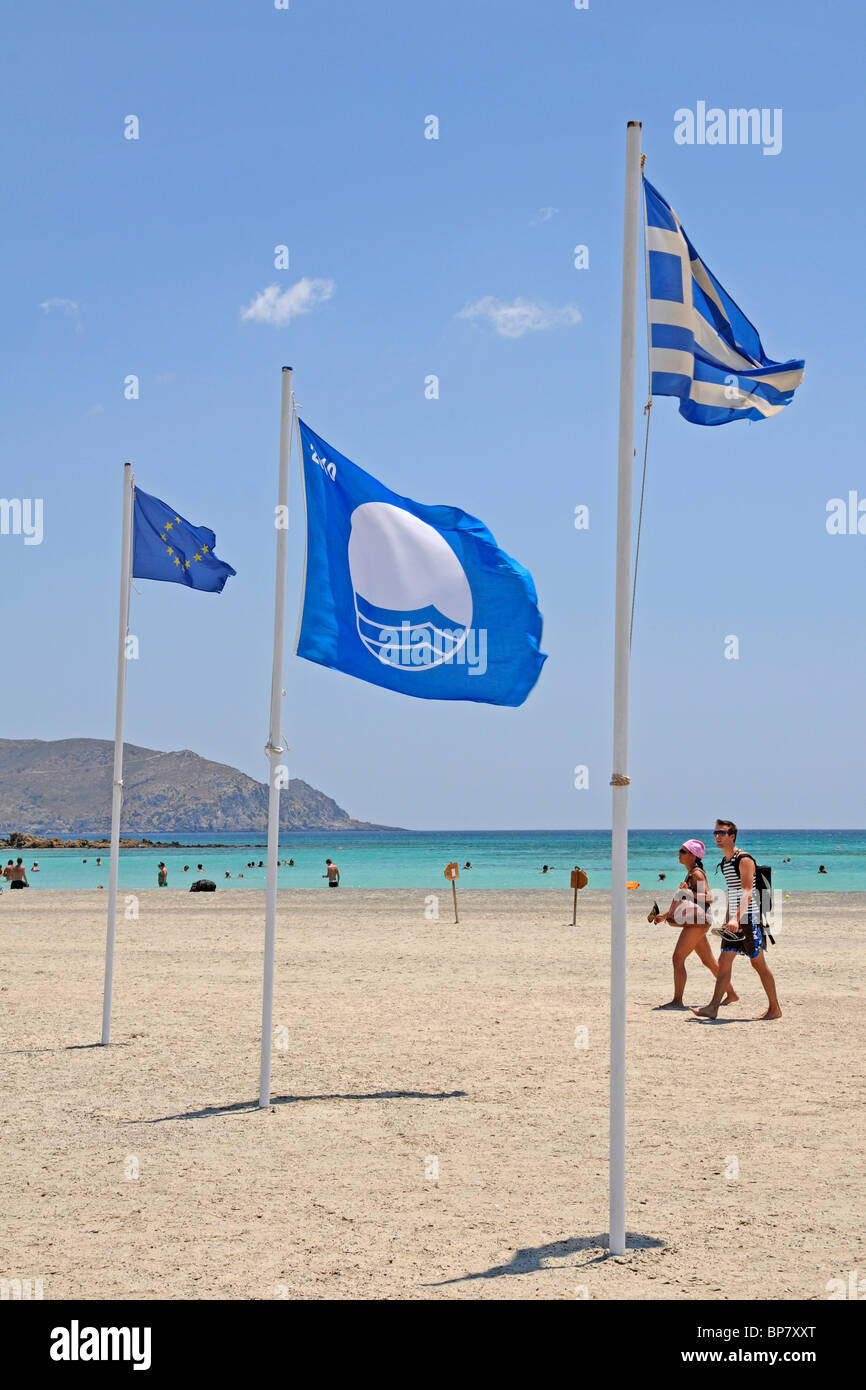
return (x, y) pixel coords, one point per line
(741, 932)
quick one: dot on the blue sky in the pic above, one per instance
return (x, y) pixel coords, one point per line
(305, 127)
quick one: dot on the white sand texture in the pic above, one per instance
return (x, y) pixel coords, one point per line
(440, 1103)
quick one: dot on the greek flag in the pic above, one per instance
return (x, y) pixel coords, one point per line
(702, 347)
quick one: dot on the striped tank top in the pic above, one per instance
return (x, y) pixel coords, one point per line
(734, 891)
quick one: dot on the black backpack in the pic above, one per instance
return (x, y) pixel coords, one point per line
(203, 885)
(764, 885)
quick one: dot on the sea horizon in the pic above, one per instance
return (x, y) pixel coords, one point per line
(513, 859)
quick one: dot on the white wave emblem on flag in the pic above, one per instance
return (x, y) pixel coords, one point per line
(413, 603)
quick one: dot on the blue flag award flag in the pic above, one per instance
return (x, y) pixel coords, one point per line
(418, 599)
(167, 547)
(702, 347)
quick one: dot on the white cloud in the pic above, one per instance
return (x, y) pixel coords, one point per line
(521, 316)
(277, 306)
(64, 306)
(543, 215)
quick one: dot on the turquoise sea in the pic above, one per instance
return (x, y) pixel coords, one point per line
(500, 859)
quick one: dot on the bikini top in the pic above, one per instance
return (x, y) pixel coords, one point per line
(698, 884)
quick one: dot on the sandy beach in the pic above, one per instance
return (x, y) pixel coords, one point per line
(436, 1132)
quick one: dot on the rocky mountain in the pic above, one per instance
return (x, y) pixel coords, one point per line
(64, 788)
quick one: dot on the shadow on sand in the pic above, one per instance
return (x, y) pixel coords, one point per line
(529, 1259)
(69, 1047)
(253, 1106)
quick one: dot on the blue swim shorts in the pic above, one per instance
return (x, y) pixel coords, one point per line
(752, 946)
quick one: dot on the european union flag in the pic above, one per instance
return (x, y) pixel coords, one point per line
(418, 599)
(168, 547)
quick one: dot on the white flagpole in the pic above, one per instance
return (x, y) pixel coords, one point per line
(619, 780)
(275, 747)
(117, 782)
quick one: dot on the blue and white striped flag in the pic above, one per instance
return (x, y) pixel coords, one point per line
(703, 348)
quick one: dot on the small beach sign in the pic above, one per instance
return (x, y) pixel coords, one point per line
(453, 872)
(579, 880)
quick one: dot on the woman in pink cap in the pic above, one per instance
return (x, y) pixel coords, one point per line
(690, 910)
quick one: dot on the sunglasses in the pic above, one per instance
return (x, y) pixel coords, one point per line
(722, 832)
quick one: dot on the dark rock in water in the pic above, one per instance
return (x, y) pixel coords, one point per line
(63, 788)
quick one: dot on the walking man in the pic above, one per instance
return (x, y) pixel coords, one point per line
(333, 874)
(742, 932)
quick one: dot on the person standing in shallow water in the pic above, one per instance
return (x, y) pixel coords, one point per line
(17, 874)
(162, 875)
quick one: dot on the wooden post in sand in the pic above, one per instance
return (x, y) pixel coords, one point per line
(578, 880)
(452, 872)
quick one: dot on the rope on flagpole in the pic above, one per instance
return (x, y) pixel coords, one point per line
(646, 410)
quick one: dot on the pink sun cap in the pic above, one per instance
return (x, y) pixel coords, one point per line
(695, 847)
